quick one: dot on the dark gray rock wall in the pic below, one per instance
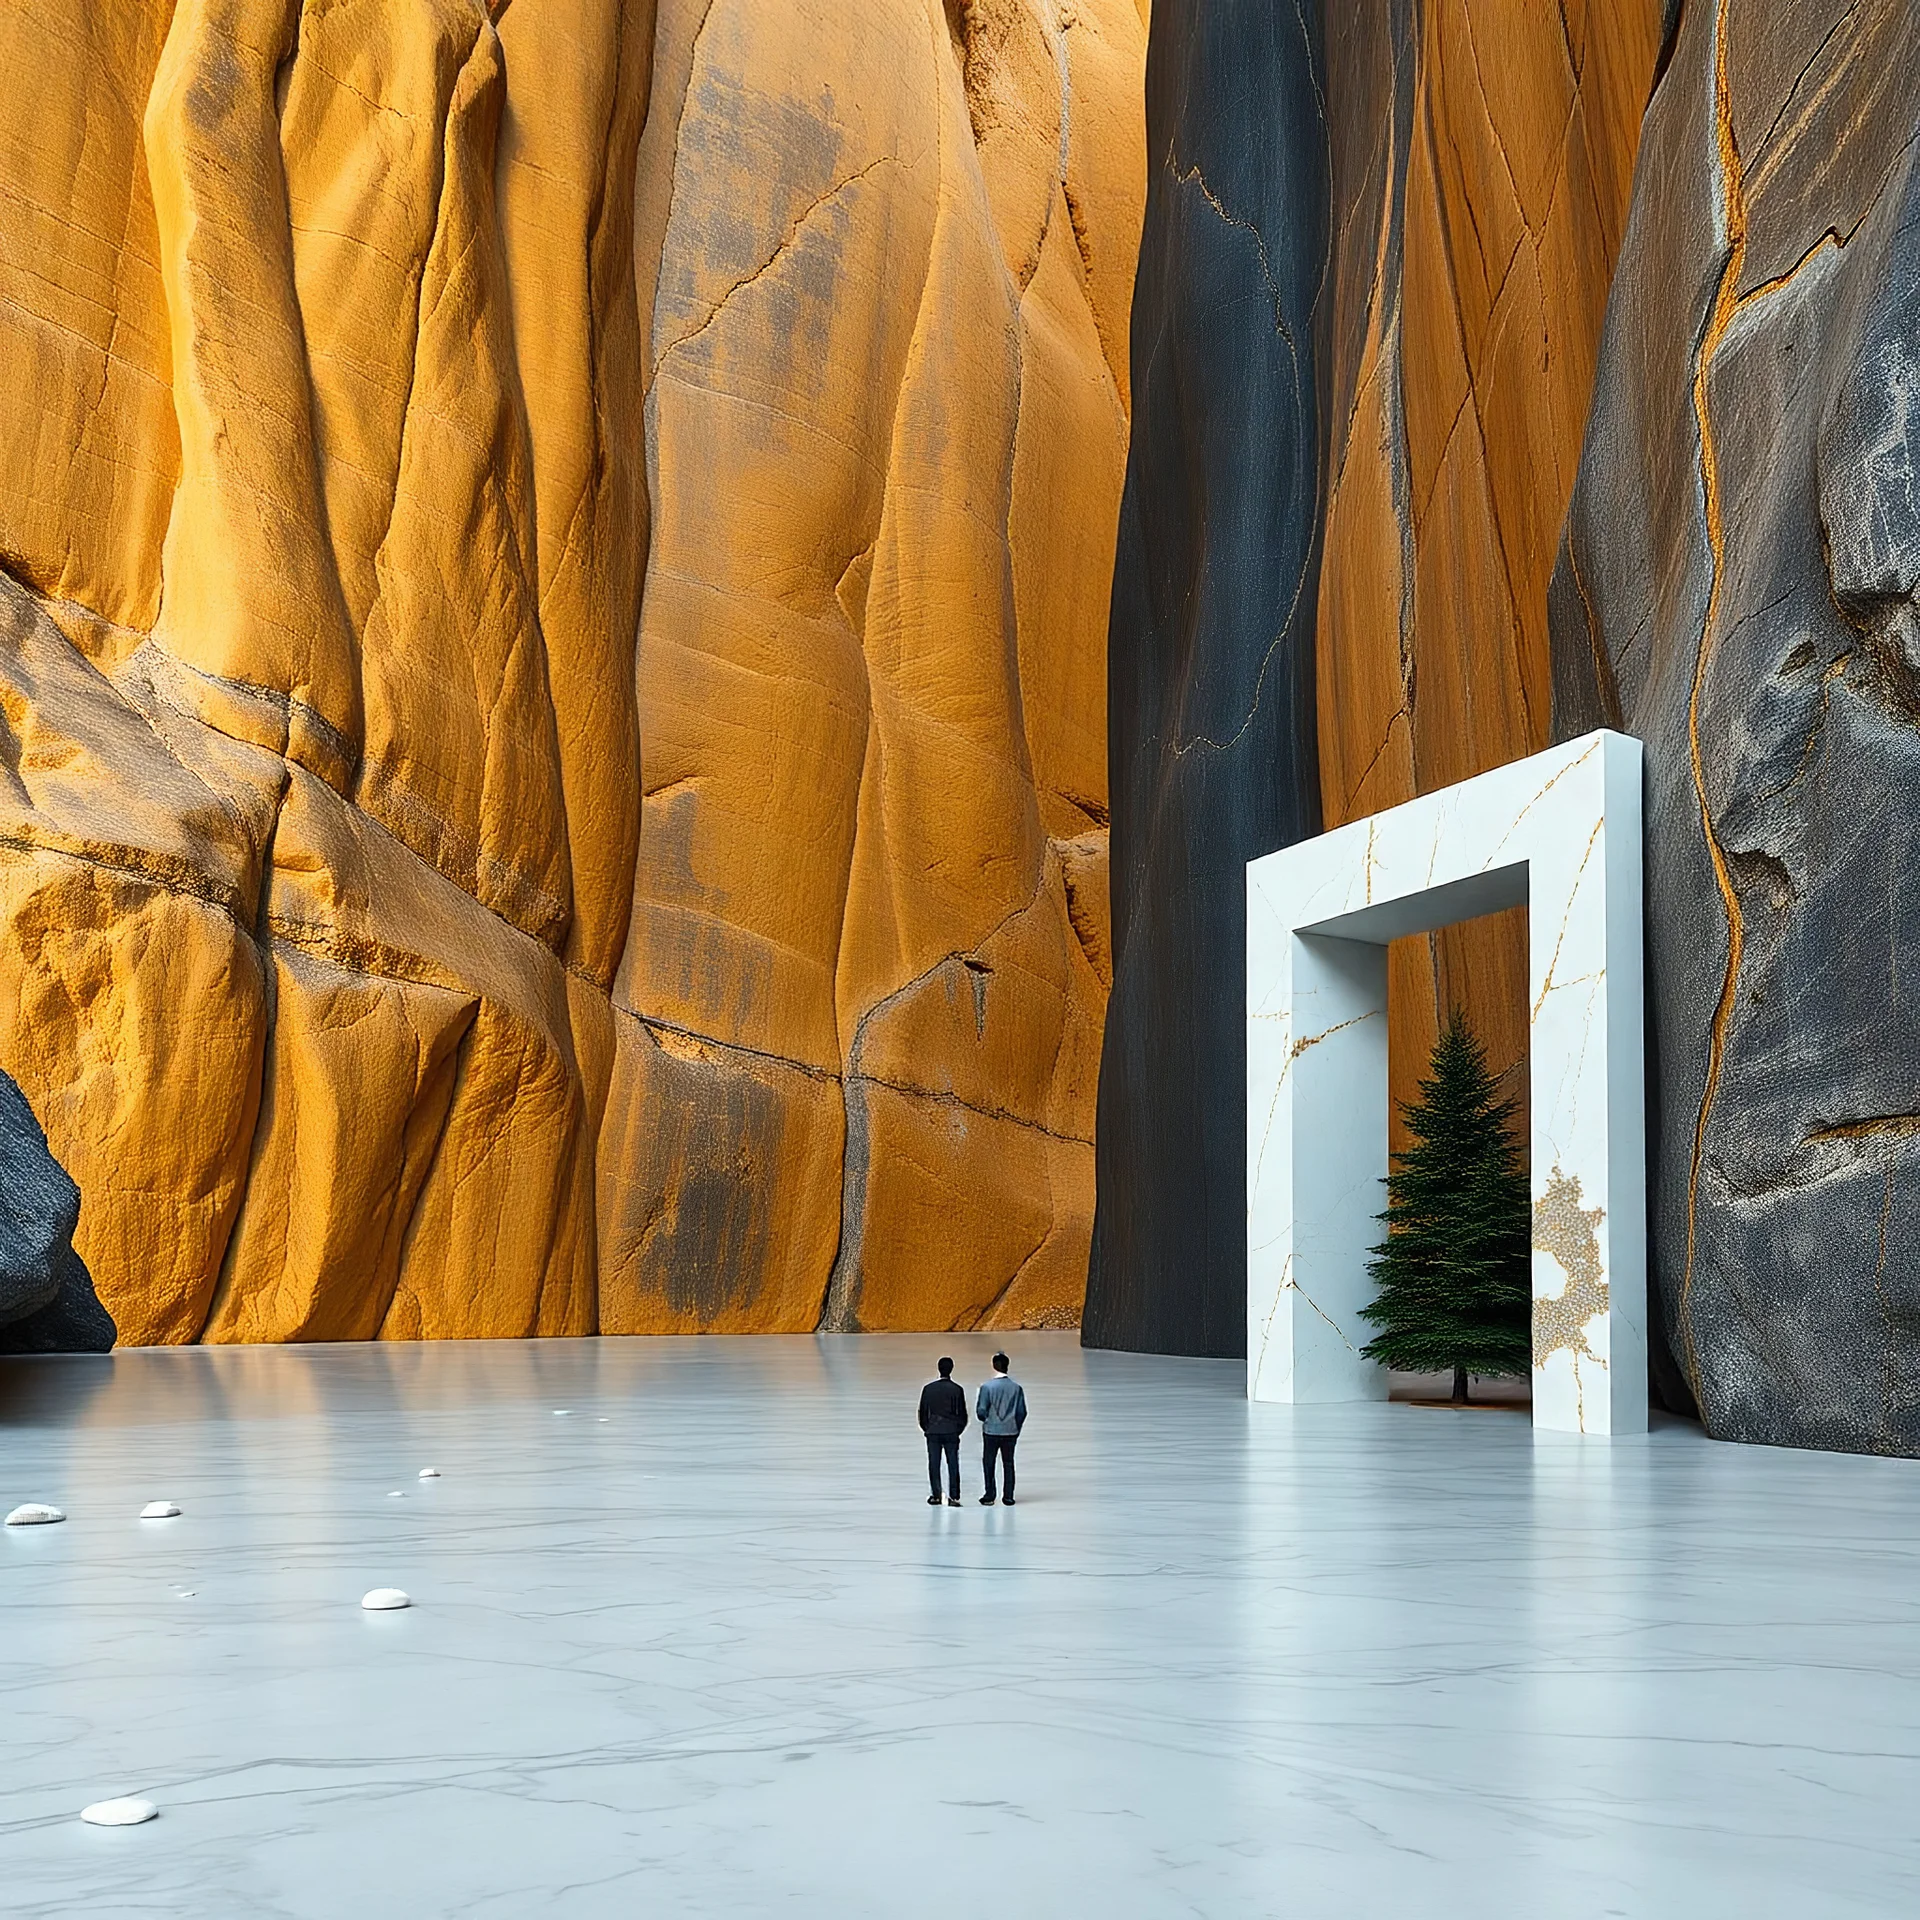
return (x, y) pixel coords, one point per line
(1737, 585)
(47, 1302)
(1210, 691)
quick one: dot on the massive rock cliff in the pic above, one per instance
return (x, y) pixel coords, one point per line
(349, 968)
(888, 253)
(1370, 298)
(1738, 586)
(321, 530)
(1618, 428)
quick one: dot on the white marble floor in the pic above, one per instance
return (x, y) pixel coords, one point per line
(700, 1647)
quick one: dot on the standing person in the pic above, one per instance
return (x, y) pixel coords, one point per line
(1003, 1412)
(943, 1419)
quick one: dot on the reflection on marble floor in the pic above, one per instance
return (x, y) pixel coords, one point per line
(699, 1647)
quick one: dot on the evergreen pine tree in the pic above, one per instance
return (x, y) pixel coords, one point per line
(1455, 1270)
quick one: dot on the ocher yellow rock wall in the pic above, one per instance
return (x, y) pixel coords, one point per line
(341, 958)
(887, 251)
(1483, 154)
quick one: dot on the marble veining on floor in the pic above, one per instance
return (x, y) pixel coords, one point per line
(698, 1646)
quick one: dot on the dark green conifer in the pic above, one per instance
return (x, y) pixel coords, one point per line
(1455, 1270)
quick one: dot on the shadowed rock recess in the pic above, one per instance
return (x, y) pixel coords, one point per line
(1738, 586)
(1210, 693)
(47, 1302)
(359, 978)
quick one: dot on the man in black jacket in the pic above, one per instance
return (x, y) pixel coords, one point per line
(943, 1419)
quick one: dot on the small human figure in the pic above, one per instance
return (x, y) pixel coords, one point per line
(1003, 1412)
(943, 1419)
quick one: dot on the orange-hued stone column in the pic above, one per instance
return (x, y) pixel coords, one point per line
(1483, 154)
(858, 1011)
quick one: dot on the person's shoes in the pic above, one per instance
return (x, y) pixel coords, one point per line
(933, 1499)
(1008, 1501)
(986, 1499)
(955, 1501)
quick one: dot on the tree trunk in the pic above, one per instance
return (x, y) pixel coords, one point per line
(1459, 1386)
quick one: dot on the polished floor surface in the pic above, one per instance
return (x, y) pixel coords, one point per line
(697, 1645)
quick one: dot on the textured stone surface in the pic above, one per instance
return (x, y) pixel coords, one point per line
(886, 252)
(1411, 232)
(316, 647)
(1210, 701)
(39, 1209)
(73, 1321)
(1482, 157)
(47, 1302)
(1738, 586)
(340, 337)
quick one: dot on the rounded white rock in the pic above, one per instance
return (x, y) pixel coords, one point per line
(384, 1600)
(34, 1514)
(118, 1813)
(159, 1510)
(429, 1473)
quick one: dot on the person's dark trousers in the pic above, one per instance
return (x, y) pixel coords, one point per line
(949, 1444)
(999, 1446)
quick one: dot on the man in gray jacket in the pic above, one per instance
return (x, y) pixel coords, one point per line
(1002, 1409)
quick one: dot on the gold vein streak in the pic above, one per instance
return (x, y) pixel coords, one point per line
(1734, 208)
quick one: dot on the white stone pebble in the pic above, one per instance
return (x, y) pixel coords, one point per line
(118, 1813)
(159, 1510)
(396, 1494)
(34, 1514)
(429, 1473)
(385, 1600)
(560, 1413)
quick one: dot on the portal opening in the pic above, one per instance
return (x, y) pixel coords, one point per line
(1480, 966)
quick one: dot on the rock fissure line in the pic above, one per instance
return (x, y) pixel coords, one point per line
(795, 227)
(1764, 148)
(839, 1304)
(1193, 177)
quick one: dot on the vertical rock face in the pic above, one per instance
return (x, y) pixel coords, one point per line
(1210, 696)
(887, 252)
(354, 976)
(1482, 157)
(322, 543)
(1370, 299)
(1737, 585)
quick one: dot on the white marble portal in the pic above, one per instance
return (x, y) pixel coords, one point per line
(1559, 832)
